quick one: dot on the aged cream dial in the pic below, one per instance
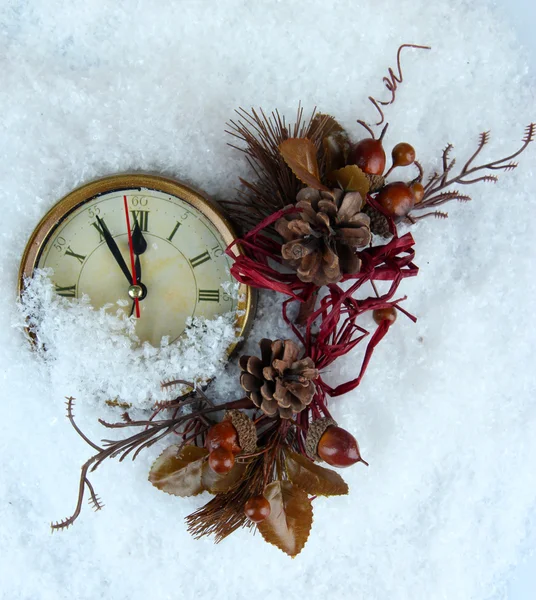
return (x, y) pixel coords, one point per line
(184, 269)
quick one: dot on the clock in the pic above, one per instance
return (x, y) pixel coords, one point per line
(148, 246)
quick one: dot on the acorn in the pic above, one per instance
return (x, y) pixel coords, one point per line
(221, 460)
(245, 428)
(257, 508)
(223, 435)
(368, 155)
(396, 199)
(314, 433)
(418, 191)
(338, 448)
(384, 314)
(403, 155)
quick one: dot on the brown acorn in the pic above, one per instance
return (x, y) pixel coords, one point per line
(418, 191)
(338, 448)
(223, 435)
(314, 433)
(257, 509)
(384, 314)
(368, 155)
(396, 199)
(221, 461)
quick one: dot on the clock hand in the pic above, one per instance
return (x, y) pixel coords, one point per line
(132, 261)
(110, 242)
(139, 245)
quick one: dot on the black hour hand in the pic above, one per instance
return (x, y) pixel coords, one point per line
(114, 249)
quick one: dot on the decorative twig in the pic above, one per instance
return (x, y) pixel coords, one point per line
(433, 194)
(392, 82)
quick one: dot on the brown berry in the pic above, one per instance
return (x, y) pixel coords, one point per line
(396, 199)
(384, 314)
(221, 460)
(223, 435)
(418, 191)
(368, 155)
(338, 448)
(257, 509)
(403, 155)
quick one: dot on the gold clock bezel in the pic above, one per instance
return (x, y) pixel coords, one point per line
(89, 191)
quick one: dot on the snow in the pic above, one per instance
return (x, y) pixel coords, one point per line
(446, 415)
(116, 367)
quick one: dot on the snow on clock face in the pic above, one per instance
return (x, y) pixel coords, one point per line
(178, 241)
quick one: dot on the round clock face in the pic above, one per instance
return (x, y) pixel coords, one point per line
(183, 266)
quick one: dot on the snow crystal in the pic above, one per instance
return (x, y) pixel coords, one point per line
(115, 366)
(446, 415)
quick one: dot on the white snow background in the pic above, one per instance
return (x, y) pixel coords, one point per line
(446, 415)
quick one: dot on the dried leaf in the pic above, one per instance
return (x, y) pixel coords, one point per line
(352, 179)
(328, 125)
(314, 479)
(179, 473)
(290, 520)
(334, 153)
(300, 156)
(221, 484)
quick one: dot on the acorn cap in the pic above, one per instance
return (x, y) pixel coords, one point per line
(247, 432)
(314, 433)
(376, 182)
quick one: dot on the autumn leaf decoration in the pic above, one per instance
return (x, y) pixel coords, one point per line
(185, 472)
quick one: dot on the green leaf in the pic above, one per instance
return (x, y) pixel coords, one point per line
(179, 472)
(352, 179)
(300, 156)
(314, 479)
(221, 484)
(290, 519)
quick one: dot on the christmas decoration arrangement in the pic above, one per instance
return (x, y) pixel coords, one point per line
(319, 224)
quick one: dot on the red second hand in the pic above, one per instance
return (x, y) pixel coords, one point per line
(132, 260)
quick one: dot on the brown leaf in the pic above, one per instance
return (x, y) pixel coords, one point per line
(290, 519)
(352, 179)
(327, 125)
(314, 479)
(300, 156)
(179, 473)
(221, 484)
(334, 152)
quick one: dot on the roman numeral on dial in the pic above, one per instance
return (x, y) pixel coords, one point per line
(199, 260)
(68, 291)
(142, 218)
(79, 257)
(175, 229)
(209, 296)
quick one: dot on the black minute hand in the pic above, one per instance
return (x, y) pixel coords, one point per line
(139, 246)
(110, 242)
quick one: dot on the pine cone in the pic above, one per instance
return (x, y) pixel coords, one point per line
(378, 223)
(278, 382)
(321, 241)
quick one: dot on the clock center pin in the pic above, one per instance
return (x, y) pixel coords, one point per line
(137, 291)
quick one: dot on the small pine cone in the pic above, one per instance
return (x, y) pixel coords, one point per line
(314, 433)
(247, 432)
(278, 382)
(321, 241)
(378, 223)
(376, 182)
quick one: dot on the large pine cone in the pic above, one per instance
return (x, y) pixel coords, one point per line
(278, 382)
(321, 240)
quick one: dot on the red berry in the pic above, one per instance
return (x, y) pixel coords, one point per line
(418, 191)
(223, 435)
(384, 314)
(403, 155)
(338, 447)
(368, 155)
(257, 509)
(221, 460)
(396, 199)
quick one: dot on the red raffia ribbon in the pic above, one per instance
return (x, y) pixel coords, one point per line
(331, 330)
